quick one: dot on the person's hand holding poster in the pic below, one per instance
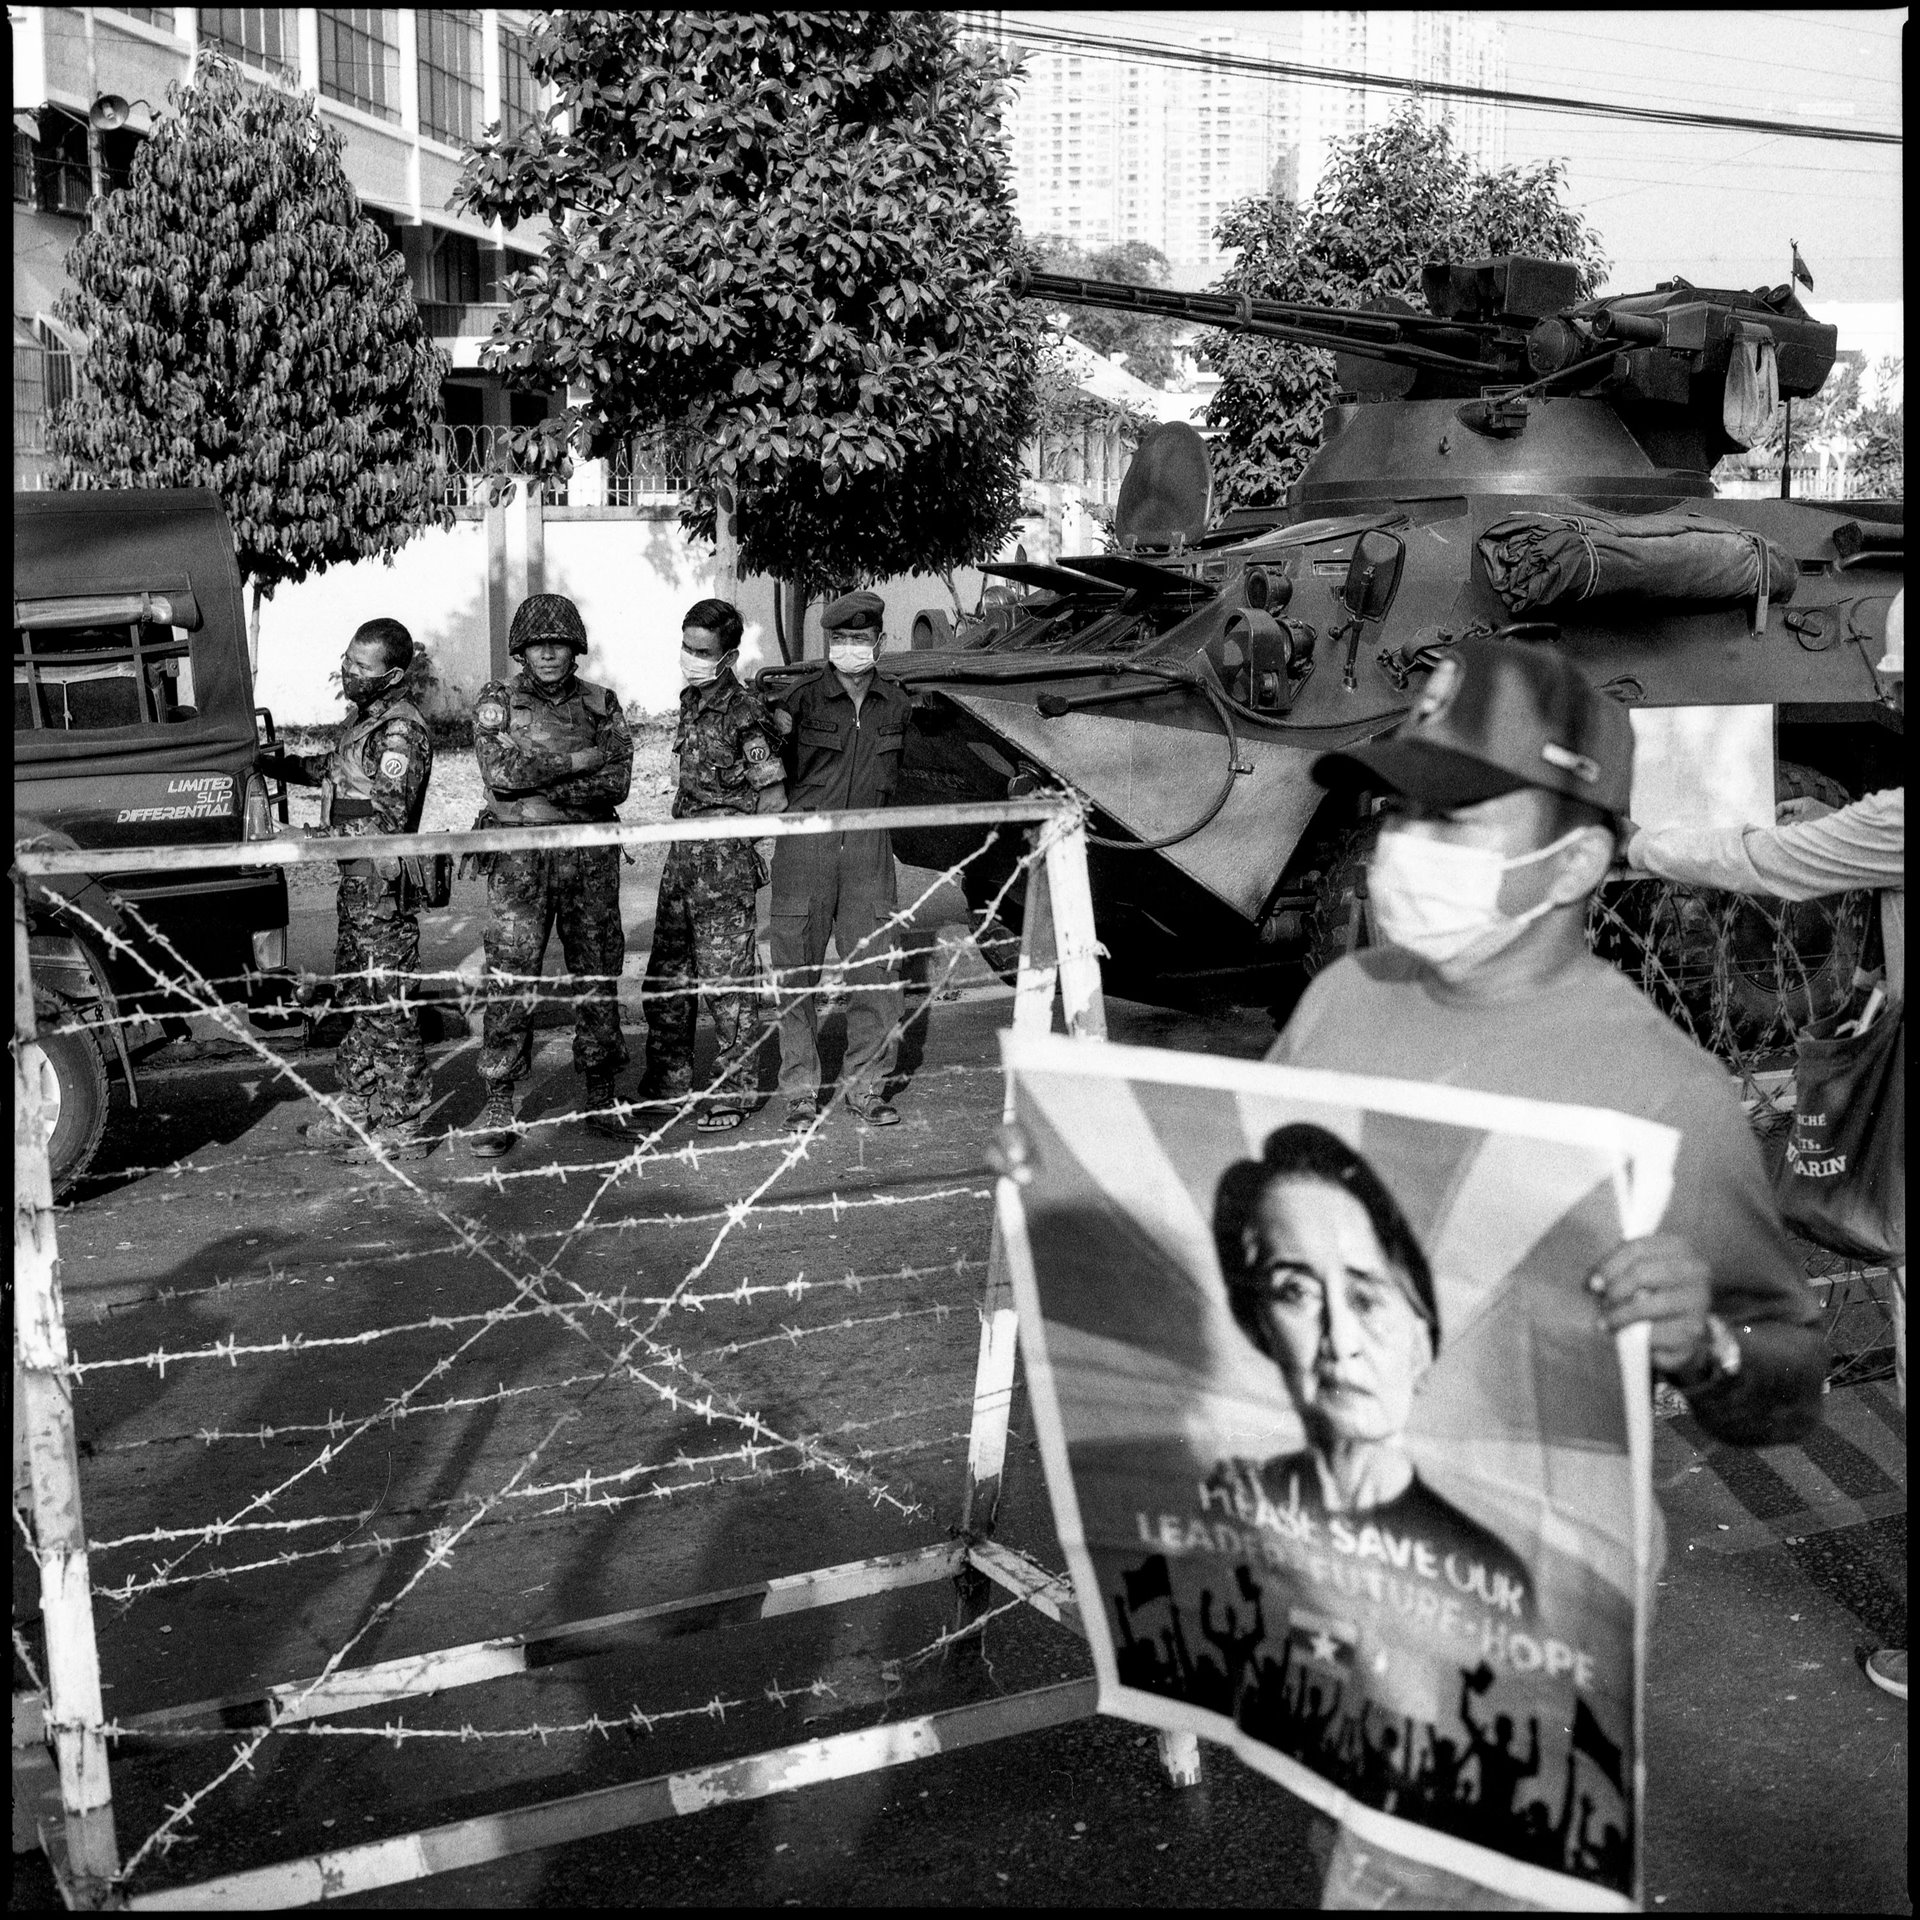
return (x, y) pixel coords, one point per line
(1348, 1474)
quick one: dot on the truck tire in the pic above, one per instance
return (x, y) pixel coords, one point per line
(1339, 921)
(80, 1084)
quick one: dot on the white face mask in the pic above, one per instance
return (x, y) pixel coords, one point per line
(697, 669)
(853, 656)
(1442, 901)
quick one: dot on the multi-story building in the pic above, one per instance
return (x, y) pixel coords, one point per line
(1461, 49)
(406, 88)
(1108, 149)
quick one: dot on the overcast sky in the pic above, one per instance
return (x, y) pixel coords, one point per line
(1716, 207)
(1720, 208)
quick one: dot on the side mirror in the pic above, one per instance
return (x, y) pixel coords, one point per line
(1373, 575)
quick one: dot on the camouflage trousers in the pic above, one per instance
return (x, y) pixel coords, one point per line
(383, 1059)
(703, 935)
(528, 896)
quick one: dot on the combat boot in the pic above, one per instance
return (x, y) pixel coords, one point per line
(328, 1129)
(495, 1131)
(601, 1114)
(402, 1140)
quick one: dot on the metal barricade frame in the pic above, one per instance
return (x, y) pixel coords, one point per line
(1059, 957)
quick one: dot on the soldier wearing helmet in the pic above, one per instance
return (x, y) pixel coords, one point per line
(552, 748)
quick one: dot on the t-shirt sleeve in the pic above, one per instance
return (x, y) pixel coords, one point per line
(1723, 1207)
(1862, 845)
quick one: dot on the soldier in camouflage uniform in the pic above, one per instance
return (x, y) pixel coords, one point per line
(551, 747)
(727, 749)
(374, 781)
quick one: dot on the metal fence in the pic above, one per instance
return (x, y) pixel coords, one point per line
(644, 473)
(1812, 483)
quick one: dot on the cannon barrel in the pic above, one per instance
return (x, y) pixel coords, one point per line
(1403, 339)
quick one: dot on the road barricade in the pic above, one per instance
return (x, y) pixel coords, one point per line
(620, 1339)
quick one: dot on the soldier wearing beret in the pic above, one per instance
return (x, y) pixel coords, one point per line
(551, 747)
(374, 781)
(845, 728)
(727, 757)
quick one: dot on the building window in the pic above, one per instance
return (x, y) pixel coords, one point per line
(450, 74)
(518, 102)
(264, 37)
(360, 58)
(161, 17)
(52, 173)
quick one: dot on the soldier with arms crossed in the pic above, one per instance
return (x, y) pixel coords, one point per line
(552, 748)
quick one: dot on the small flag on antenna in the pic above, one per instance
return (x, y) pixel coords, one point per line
(1800, 272)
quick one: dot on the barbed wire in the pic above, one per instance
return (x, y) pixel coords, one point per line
(438, 1554)
(583, 1484)
(620, 1329)
(473, 1238)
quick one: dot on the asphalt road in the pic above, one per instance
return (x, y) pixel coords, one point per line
(1777, 1776)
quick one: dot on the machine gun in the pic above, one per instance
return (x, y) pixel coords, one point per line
(1706, 364)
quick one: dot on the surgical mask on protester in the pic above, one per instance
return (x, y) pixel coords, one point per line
(1442, 901)
(853, 656)
(697, 669)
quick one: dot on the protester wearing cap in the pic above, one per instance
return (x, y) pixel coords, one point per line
(845, 728)
(1814, 850)
(1506, 784)
(552, 748)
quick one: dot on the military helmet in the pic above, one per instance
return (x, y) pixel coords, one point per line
(546, 616)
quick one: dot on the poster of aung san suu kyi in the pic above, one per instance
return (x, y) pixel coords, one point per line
(1348, 1475)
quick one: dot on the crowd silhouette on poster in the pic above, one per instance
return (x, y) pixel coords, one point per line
(1309, 1705)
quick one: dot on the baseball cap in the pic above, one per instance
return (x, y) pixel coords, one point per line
(547, 616)
(1495, 716)
(1894, 660)
(853, 610)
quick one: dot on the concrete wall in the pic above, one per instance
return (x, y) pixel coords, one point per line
(632, 572)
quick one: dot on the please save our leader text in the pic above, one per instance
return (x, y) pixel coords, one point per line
(1443, 1594)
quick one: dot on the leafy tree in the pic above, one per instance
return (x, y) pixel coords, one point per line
(788, 240)
(1147, 342)
(1390, 201)
(248, 330)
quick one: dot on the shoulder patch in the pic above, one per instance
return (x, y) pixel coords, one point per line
(757, 748)
(491, 713)
(393, 765)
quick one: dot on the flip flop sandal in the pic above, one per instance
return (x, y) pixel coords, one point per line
(724, 1121)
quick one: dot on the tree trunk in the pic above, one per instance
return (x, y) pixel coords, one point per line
(794, 599)
(253, 636)
(726, 554)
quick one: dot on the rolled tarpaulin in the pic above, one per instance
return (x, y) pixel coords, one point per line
(1542, 559)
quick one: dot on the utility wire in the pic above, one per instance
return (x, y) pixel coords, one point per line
(1152, 52)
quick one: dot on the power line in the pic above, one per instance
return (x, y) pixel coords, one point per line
(1151, 52)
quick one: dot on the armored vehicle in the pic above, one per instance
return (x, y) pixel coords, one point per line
(134, 726)
(1517, 461)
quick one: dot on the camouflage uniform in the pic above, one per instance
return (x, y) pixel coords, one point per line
(375, 781)
(523, 736)
(729, 751)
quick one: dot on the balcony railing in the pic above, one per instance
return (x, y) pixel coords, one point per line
(459, 320)
(467, 454)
